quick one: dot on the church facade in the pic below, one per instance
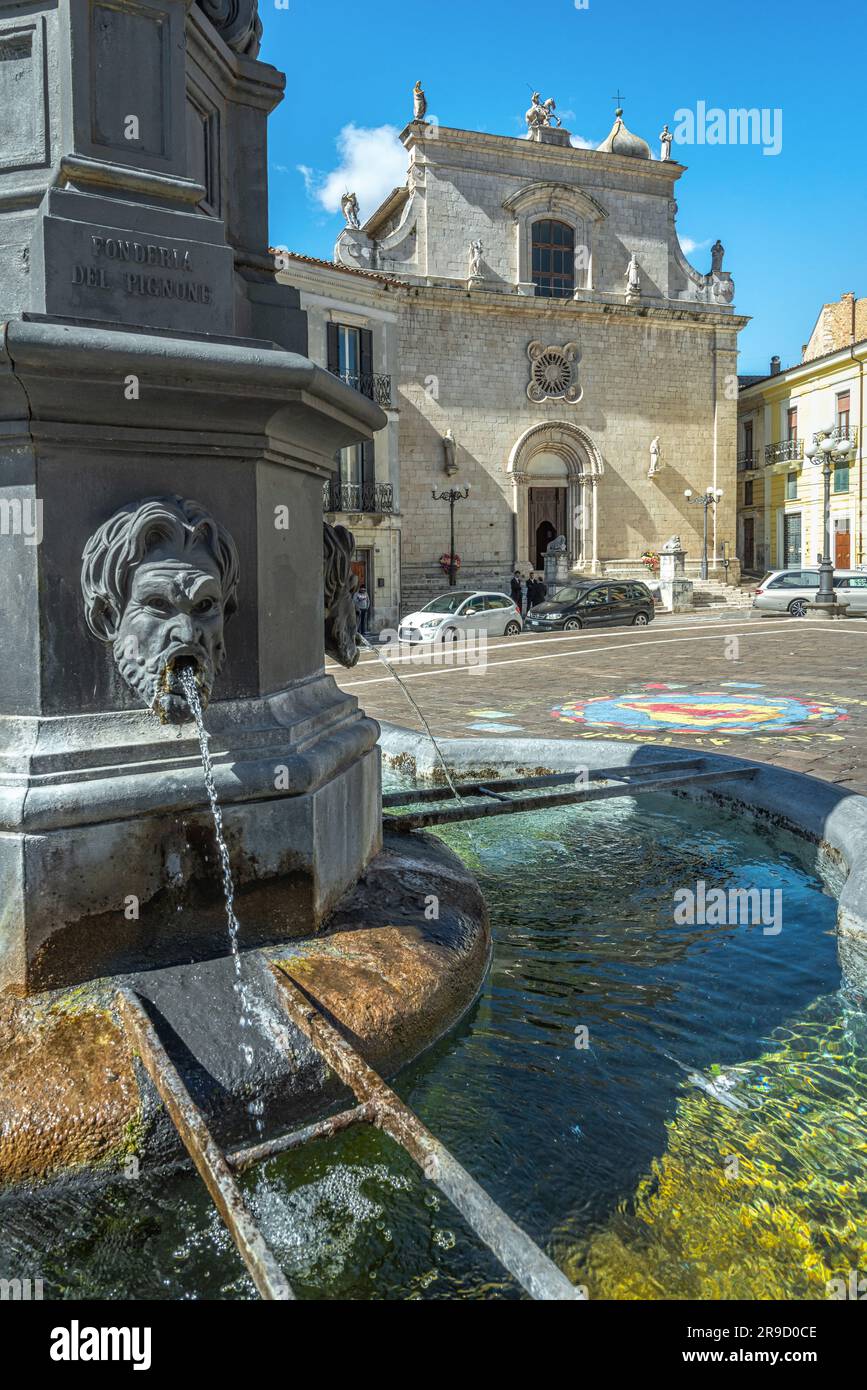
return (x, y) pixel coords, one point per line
(556, 353)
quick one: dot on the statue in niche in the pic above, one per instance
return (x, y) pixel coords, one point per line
(449, 448)
(717, 251)
(237, 22)
(349, 208)
(476, 259)
(633, 276)
(655, 459)
(419, 103)
(159, 580)
(665, 139)
(341, 582)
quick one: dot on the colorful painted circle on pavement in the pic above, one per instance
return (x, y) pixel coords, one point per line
(740, 708)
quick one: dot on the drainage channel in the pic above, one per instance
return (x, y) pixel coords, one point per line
(508, 795)
(377, 1104)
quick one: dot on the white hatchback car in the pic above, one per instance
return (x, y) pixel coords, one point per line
(459, 611)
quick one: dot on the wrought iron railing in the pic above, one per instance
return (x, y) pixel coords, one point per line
(358, 497)
(747, 460)
(784, 451)
(375, 386)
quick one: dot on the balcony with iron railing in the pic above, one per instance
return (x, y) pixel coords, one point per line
(375, 498)
(785, 451)
(375, 386)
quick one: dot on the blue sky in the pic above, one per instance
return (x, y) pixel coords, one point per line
(350, 70)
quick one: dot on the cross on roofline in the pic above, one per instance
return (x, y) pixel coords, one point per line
(618, 98)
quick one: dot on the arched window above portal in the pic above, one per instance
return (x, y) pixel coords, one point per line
(553, 258)
(550, 221)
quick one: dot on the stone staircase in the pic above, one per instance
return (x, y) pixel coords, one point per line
(706, 593)
(419, 585)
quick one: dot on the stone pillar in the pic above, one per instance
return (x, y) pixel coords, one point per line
(145, 356)
(674, 588)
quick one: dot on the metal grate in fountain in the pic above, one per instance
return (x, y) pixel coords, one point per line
(211, 1162)
(509, 795)
(377, 1104)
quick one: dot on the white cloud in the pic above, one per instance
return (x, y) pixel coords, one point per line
(372, 163)
(687, 245)
(308, 176)
(581, 144)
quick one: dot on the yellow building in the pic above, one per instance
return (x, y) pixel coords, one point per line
(780, 493)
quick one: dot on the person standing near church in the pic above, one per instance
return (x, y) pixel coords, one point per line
(361, 600)
(515, 588)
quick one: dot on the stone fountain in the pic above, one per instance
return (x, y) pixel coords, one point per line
(165, 441)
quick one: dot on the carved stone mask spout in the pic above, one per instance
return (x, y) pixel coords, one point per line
(341, 641)
(159, 580)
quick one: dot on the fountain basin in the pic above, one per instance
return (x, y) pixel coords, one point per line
(74, 1098)
(831, 817)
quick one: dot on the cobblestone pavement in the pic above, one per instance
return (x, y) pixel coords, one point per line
(787, 691)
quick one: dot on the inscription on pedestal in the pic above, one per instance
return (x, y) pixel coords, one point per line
(135, 266)
(128, 278)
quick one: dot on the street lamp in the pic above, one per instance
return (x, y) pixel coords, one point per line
(706, 499)
(453, 495)
(829, 447)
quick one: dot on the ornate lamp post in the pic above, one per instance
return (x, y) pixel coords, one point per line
(706, 499)
(829, 447)
(453, 495)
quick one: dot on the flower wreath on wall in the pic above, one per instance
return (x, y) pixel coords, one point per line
(650, 560)
(446, 562)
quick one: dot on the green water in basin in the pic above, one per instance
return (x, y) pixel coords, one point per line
(705, 1044)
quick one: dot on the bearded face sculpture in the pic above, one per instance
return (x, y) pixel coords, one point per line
(340, 584)
(159, 580)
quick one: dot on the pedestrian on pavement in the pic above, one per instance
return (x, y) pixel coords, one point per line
(515, 588)
(362, 607)
(532, 592)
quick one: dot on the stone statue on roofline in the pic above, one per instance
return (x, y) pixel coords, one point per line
(665, 138)
(541, 113)
(419, 102)
(349, 207)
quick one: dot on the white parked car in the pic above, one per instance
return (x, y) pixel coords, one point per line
(789, 591)
(446, 617)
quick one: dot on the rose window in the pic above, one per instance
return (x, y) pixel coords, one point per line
(553, 372)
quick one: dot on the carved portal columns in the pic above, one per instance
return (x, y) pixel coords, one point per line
(585, 522)
(530, 465)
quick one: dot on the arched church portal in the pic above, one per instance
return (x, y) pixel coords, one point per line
(554, 469)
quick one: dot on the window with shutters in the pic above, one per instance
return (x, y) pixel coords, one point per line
(792, 423)
(350, 356)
